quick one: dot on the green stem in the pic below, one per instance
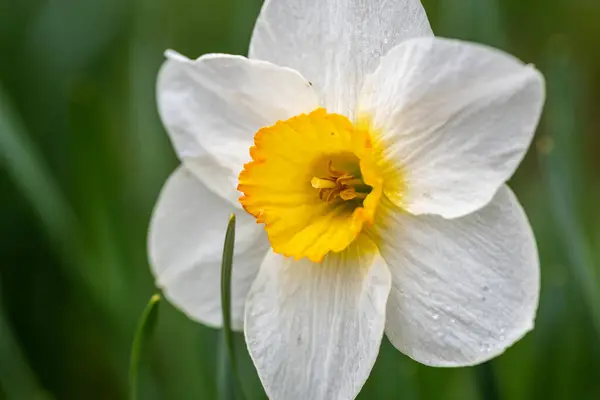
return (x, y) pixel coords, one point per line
(226, 267)
(226, 380)
(143, 333)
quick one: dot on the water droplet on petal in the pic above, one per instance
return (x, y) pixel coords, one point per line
(435, 316)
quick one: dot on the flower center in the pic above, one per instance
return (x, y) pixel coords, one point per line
(340, 184)
(312, 182)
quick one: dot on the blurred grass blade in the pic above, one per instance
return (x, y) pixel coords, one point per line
(143, 333)
(486, 381)
(226, 390)
(563, 170)
(17, 379)
(30, 174)
(476, 20)
(25, 165)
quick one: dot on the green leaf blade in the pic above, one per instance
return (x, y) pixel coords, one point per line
(143, 333)
(230, 371)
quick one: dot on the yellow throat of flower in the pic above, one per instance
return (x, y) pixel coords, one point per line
(313, 182)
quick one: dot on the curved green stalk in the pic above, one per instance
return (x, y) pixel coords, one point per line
(143, 333)
(226, 268)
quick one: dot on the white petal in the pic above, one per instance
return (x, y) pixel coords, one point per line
(335, 43)
(463, 290)
(185, 244)
(456, 118)
(213, 106)
(314, 330)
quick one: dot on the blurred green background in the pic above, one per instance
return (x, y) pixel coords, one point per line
(83, 156)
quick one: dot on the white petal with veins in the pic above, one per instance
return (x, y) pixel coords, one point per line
(314, 330)
(213, 106)
(463, 290)
(185, 243)
(335, 43)
(456, 118)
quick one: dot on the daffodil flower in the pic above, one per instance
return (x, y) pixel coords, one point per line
(366, 161)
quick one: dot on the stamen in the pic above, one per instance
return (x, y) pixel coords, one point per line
(338, 184)
(333, 193)
(350, 194)
(323, 183)
(334, 172)
(348, 180)
(323, 193)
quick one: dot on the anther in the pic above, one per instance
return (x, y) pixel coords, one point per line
(350, 194)
(323, 183)
(334, 172)
(348, 180)
(338, 184)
